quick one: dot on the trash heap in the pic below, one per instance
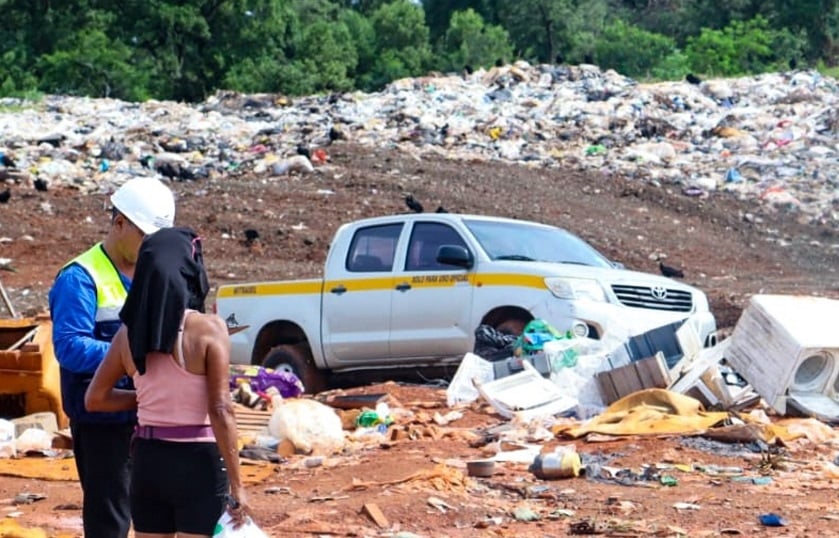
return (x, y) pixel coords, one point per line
(769, 138)
(782, 352)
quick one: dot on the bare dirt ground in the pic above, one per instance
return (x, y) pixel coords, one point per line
(731, 249)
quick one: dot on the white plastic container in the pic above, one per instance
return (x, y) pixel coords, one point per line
(7, 439)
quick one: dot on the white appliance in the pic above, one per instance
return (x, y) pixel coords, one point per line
(787, 348)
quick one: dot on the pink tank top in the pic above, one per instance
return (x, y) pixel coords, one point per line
(169, 395)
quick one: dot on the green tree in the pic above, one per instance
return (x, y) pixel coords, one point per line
(90, 63)
(819, 19)
(438, 13)
(469, 41)
(328, 56)
(544, 30)
(402, 47)
(15, 77)
(363, 38)
(630, 50)
(741, 47)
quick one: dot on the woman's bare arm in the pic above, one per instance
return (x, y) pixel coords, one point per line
(222, 418)
(101, 394)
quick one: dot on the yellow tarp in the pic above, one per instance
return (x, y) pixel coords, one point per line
(43, 468)
(649, 412)
(10, 528)
(65, 469)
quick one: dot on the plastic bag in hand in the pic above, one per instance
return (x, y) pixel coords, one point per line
(224, 528)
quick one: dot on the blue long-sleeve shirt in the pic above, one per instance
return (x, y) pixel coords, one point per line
(80, 343)
(72, 301)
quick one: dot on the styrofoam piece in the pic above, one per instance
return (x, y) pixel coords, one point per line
(462, 388)
(526, 395)
(44, 420)
(692, 372)
(787, 346)
(691, 345)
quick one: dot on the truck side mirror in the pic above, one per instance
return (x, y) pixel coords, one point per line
(455, 255)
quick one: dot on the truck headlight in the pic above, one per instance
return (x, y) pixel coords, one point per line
(576, 288)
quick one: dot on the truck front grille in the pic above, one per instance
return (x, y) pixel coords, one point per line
(654, 298)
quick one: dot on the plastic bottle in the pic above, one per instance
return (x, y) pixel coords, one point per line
(563, 462)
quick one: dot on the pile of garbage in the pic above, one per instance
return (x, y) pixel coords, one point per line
(782, 352)
(769, 138)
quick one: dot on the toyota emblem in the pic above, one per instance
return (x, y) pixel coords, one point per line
(659, 292)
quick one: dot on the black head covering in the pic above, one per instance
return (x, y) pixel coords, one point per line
(169, 278)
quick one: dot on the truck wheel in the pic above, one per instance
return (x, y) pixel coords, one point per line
(297, 359)
(512, 326)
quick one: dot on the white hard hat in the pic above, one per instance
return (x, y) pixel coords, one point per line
(147, 202)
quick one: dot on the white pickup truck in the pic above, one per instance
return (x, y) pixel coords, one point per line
(410, 290)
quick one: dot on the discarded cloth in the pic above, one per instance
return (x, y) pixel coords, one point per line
(649, 412)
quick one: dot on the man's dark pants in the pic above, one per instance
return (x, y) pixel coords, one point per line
(102, 459)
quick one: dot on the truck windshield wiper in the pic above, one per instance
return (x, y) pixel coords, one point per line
(570, 262)
(515, 257)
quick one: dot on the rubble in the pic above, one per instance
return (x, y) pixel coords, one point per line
(770, 138)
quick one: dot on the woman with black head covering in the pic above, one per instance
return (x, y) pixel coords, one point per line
(186, 463)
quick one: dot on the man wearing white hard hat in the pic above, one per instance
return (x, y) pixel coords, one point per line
(85, 301)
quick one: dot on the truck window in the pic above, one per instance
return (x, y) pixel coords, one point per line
(373, 248)
(426, 238)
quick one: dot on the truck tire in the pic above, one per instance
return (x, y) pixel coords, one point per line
(512, 326)
(297, 359)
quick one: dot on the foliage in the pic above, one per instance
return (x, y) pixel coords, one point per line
(741, 47)
(630, 50)
(89, 63)
(187, 49)
(470, 42)
(674, 66)
(402, 48)
(15, 80)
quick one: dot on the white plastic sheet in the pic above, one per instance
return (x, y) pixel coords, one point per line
(224, 529)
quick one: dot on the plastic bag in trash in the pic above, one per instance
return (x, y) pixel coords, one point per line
(7, 439)
(224, 528)
(260, 379)
(534, 336)
(492, 344)
(33, 440)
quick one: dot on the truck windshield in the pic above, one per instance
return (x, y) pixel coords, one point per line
(525, 241)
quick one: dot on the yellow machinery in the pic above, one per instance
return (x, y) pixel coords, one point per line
(29, 373)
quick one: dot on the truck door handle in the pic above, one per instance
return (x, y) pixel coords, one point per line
(403, 287)
(339, 289)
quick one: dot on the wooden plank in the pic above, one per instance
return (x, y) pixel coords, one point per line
(638, 375)
(626, 380)
(607, 388)
(250, 420)
(355, 401)
(375, 513)
(652, 372)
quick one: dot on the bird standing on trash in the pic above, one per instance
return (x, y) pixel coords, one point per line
(668, 271)
(693, 79)
(303, 150)
(413, 204)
